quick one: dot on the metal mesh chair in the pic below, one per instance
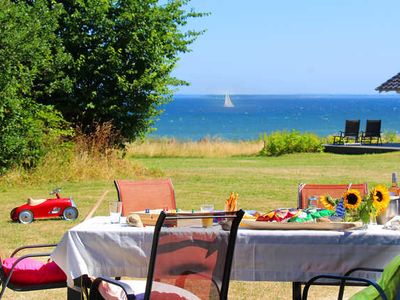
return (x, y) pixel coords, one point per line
(146, 194)
(386, 287)
(187, 260)
(306, 191)
(311, 192)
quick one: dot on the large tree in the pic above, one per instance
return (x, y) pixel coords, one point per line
(123, 52)
(29, 52)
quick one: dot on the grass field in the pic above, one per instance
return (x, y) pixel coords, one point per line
(263, 183)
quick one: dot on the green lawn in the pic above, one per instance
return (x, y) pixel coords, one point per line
(263, 183)
(267, 183)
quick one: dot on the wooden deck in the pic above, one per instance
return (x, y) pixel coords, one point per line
(361, 148)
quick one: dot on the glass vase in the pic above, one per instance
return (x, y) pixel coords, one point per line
(371, 223)
(372, 220)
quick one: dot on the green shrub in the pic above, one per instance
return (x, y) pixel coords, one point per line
(390, 137)
(81, 158)
(284, 142)
(27, 132)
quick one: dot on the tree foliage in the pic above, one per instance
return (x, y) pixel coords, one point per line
(123, 52)
(28, 54)
(88, 62)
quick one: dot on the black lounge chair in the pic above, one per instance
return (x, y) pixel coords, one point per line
(372, 132)
(351, 132)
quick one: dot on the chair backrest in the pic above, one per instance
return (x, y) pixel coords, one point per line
(352, 128)
(146, 194)
(307, 191)
(192, 257)
(373, 128)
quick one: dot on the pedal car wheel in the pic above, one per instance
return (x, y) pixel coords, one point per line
(70, 213)
(25, 217)
(12, 213)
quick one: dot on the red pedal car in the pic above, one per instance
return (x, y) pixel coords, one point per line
(45, 208)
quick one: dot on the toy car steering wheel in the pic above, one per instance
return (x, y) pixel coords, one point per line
(55, 191)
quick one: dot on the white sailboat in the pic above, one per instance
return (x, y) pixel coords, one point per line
(228, 101)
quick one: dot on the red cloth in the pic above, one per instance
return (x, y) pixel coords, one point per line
(277, 215)
(33, 272)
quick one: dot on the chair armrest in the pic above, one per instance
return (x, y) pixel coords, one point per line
(32, 247)
(94, 289)
(339, 136)
(363, 269)
(342, 280)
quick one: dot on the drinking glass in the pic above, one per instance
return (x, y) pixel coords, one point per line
(313, 202)
(115, 211)
(207, 222)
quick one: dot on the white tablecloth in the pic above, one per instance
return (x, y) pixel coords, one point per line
(97, 247)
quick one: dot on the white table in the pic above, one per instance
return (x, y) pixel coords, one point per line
(97, 247)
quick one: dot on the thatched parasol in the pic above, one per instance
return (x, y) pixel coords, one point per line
(391, 85)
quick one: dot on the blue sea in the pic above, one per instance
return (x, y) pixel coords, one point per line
(196, 117)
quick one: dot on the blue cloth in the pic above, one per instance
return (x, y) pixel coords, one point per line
(340, 210)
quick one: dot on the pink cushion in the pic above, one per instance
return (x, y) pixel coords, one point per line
(163, 291)
(33, 272)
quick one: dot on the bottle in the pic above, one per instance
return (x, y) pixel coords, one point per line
(394, 189)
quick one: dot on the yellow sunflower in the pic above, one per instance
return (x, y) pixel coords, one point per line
(380, 198)
(352, 199)
(327, 202)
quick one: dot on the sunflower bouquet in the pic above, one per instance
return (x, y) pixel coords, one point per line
(353, 207)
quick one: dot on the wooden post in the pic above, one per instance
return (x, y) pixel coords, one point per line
(96, 205)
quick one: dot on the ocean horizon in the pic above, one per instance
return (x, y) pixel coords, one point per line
(195, 117)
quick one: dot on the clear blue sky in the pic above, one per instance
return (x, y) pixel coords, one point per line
(292, 47)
